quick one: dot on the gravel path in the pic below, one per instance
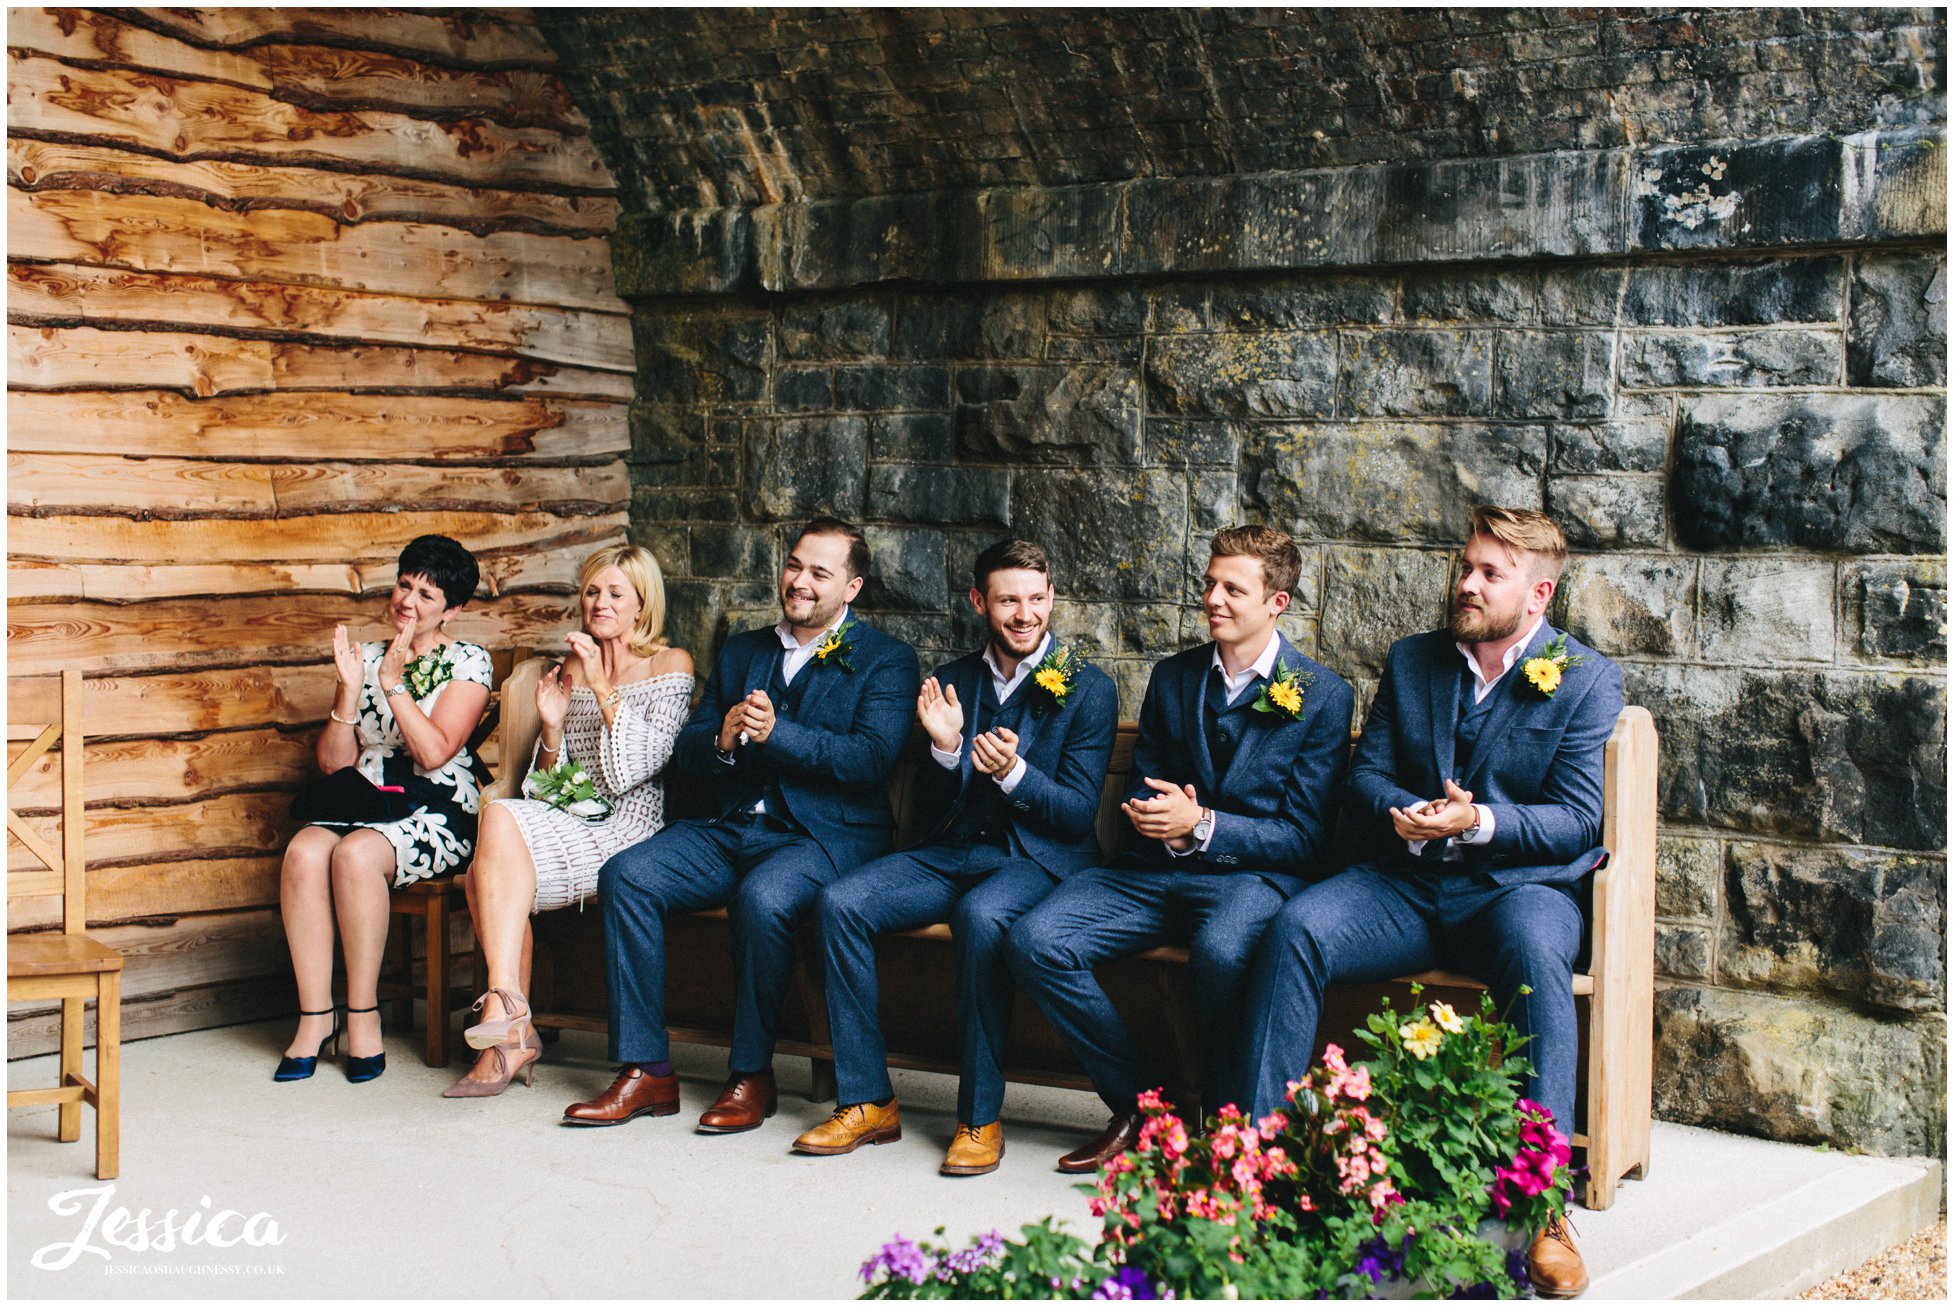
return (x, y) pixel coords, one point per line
(1914, 1269)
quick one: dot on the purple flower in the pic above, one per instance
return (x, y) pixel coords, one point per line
(1378, 1259)
(1516, 1269)
(986, 1251)
(901, 1259)
(1129, 1282)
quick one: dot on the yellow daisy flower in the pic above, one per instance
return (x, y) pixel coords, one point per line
(1544, 673)
(1447, 1019)
(1421, 1038)
(1052, 682)
(1285, 695)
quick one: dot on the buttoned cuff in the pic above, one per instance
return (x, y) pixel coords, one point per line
(1484, 835)
(1009, 780)
(1214, 824)
(950, 760)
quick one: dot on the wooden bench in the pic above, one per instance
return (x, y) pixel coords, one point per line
(1616, 992)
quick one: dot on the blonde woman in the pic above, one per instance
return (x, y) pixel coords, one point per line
(612, 711)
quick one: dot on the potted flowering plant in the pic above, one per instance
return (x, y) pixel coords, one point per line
(1418, 1173)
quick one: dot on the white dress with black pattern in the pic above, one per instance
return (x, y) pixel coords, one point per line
(439, 836)
(624, 762)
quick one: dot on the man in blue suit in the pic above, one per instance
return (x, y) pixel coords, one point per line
(1021, 733)
(797, 732)
(1242, 744)
(1477, 788)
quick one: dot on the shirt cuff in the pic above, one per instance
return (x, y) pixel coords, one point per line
(1484, 835)
(1009, 780)
(726, 756)
(950, 759)
(1417, 847)
(1214, 824)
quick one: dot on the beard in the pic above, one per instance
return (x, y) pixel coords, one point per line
(810, 613)
(1018, 644)
(1483, 625)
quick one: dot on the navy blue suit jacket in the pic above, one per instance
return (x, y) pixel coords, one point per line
(832, 754)
(1537, 765)
(1277, 800)
(1066, 751)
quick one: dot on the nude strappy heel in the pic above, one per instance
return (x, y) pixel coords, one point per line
(508, 1030)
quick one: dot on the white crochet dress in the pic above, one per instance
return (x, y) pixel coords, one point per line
(624, 763)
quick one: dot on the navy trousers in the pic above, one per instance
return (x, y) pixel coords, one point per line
(1114, 912)
(1367, 925)
(765, 873)
(980, 889)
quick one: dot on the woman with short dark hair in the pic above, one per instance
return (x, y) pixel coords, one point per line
(397, 803)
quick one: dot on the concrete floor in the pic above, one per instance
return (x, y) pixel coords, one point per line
(387, 1190)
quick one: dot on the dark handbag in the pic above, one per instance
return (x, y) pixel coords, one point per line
(348, 798)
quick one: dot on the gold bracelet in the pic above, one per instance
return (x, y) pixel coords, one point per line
(614, 698)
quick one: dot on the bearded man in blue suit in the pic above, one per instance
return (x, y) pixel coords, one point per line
(1020, 735)
(1477, 788)
(798, 731)
(1242, 744)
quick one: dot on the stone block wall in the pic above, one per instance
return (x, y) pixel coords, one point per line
(1719, 362)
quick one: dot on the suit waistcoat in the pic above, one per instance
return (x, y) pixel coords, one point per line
(1472, 718)
(983, 814)
(1225, 725)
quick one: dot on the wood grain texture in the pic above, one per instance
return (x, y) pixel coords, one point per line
(232, 825)
(312, 76)
(161, 889)
(76, 358)
(160, 233)
(141, 487)
(348, 197)
(185, 119)
(72, 293)
(285, 425)
(180, 634)
(464, 39)
(34, 1030)
(182, 702)
(548, 567)
(178, 770)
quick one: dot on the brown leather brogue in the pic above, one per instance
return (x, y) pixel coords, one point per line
(633, 1093)
(975, 1149)
(1554, 1263)
(850, 1127)
(1120, 1134)
(743, 1104)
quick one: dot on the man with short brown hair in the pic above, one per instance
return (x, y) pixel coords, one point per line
(1477, 792)
(1242, 744)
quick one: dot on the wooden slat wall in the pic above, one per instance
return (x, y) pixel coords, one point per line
(286, 287)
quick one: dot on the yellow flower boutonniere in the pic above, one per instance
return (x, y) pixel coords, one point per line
(1054, 677)
(835, 647)
(1545, 671)
(1283, 695)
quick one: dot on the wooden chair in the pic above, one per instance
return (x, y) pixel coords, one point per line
(67, 965)
(439, 904)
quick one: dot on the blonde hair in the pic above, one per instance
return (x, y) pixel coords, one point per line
(641, 570)
(1525, 532)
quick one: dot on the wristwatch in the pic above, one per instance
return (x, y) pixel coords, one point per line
(399, 688)
(1204, 827)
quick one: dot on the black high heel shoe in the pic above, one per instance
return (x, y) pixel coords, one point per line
(359, 1070)
(301, 1068)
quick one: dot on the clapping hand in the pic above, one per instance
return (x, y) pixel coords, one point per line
(1437, 819)
(346, 659)
(995, 752)
(553, 697)
(393, 663)
(590, 662)
(941, 715)
(756, 717)
(1169, 815)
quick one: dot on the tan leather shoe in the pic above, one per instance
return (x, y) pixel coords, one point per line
(743, 1104)
(1120, 1134)
(1554, 1263)
(852, 1126)
(976, 1149)
(633, 1093)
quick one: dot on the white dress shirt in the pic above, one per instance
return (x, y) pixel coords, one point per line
(1481, 687)
(1234, 685)
(1003, 686)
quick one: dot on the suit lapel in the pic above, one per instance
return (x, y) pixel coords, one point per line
(813, 680)
(1443, 689)
(970, 693)
(1513, 688)
(1194, 708)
